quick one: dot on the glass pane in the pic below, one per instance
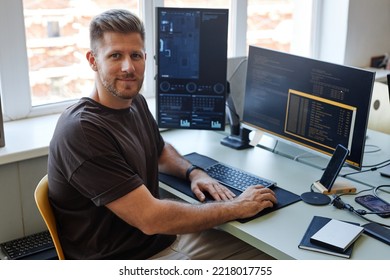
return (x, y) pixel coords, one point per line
(211, 4)
(57, 41)
(270, 24)
(198, 3)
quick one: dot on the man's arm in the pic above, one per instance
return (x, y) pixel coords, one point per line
(151, 215)
(171, 162)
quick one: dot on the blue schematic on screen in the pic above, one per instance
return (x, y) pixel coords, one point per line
(191, 68)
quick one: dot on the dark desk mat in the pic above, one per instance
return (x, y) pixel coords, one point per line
(284, 197)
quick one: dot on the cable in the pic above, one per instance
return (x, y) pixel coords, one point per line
(355, 193)
(378, 149)
(237, 67)
(339, 204)
(377, 164)
(358, 172)
(375, 191)
(372, 168)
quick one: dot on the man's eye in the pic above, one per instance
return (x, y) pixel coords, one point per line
(115, 55)
(136, 56)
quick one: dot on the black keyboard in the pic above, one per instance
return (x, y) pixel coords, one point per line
(26, 246)
(236, 178)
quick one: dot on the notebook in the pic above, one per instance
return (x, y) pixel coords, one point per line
(315, 225)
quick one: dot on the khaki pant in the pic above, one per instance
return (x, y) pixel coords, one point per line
(212, 244)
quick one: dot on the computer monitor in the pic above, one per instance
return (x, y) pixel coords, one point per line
(386, 170)
(388, 84)
(191, 68)
(2, 139)
(312, 103)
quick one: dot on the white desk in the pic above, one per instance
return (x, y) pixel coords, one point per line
(279, 232)
(377, 150)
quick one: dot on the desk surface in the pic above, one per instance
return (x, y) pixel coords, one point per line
(377, 150)
(277, 233)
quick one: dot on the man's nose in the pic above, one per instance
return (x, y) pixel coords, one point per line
(127, 65)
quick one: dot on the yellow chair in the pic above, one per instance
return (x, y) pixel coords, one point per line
(42, 200)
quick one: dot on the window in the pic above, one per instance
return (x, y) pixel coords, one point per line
(42, 60)
(57, 40)
(269, 24)
(198, 3)
(217, 4)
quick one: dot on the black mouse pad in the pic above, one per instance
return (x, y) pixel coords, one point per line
(284, 197)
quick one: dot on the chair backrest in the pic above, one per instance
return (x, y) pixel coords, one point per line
(41, 196)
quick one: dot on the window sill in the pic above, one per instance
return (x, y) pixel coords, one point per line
(27, 138)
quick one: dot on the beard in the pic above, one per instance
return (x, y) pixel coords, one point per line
(127, 93)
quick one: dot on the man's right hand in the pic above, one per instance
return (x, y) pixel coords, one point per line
(255, 199)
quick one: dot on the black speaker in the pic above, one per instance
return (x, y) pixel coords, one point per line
(2, 140)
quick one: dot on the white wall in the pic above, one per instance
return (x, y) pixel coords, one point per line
(19, 216)
(352, 31)
(332, 30)
(368, 31)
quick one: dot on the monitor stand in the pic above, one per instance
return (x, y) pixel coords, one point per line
(238, 142)
(239, 136)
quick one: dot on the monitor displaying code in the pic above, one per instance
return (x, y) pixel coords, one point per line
(311, 103)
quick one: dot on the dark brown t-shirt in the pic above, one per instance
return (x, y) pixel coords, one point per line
(96, 156)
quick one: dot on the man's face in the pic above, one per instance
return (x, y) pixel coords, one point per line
(120, 65)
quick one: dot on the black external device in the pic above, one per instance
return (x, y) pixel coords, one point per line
(375, 204)
(378, 232)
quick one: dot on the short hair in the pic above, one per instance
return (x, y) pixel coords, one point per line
(114, 20)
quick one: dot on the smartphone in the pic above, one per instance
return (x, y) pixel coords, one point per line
(334, 166)
(374, 204)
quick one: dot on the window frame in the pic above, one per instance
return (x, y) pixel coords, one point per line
(15, 89)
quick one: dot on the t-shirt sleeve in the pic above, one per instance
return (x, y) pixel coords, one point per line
(105, 179)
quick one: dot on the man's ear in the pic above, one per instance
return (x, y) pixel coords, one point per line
(91, 60)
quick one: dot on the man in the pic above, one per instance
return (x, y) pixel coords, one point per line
(103, 167)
